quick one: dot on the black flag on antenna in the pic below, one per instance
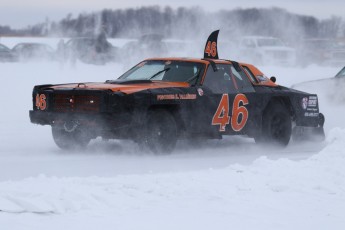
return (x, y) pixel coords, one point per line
(211, 46)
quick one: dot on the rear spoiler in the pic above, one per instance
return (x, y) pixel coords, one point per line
(211, 51)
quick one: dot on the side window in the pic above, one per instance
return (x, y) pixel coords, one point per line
(250, 74)
(220, 81)
(241, 81)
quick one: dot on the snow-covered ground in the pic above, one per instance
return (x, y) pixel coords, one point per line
(227, 184)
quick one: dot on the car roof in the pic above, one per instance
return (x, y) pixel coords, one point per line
(82, 38)
(186, 59)
(32, 44)
(200, 60)
(257, 73)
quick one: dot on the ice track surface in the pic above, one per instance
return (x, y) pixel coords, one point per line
(226, 184)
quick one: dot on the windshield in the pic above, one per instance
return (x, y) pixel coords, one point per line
(175, 71)
(270, 42)
(341, 73)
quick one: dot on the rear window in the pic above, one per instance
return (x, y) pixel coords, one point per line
(250, 74)
(242, 81)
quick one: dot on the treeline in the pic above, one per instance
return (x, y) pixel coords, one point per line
(187, 23)
(38, 30)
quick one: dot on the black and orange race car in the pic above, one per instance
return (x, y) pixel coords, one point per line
(162, 100)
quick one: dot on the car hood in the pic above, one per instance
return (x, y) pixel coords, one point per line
(321, 85)
(124, 87)
(331, 90)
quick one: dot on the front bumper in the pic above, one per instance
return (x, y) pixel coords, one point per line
(53, 118)
(100, 120)
(41, 118)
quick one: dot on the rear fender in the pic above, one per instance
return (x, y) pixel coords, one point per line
(284, 101)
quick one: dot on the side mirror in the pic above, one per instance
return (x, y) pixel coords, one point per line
(273, 79)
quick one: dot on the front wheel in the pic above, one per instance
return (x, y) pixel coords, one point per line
(67, 140)
(160, 132)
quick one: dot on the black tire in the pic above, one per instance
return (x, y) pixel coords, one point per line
(276, 125)
(70, 140)
(160, 132)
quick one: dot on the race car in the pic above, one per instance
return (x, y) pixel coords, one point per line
(162, 100)
(34, 51)
(91, 50)
(331, 89)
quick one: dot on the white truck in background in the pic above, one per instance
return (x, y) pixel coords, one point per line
(266, 51)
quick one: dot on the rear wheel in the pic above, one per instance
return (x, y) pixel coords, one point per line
(160, 132)
(276, 125)
(77, 138)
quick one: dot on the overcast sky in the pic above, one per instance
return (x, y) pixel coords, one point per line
(20, 13)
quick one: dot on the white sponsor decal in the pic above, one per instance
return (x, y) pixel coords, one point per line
(305, 103)
(312, 101)
(200, 92)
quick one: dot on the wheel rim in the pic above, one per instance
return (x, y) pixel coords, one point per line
(159, 139)
(69, 140)
(161, 134)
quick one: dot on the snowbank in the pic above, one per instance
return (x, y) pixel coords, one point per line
(269, 194)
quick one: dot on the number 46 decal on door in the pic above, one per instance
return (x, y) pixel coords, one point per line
(222, 118)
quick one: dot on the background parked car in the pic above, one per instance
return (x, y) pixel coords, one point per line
(265, 50)
(34, 51)
(322, 52)
(91, 50)
(6, 54)
(149, 45)
(332, 88)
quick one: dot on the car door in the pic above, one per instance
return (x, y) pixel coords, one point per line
(225, 105)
